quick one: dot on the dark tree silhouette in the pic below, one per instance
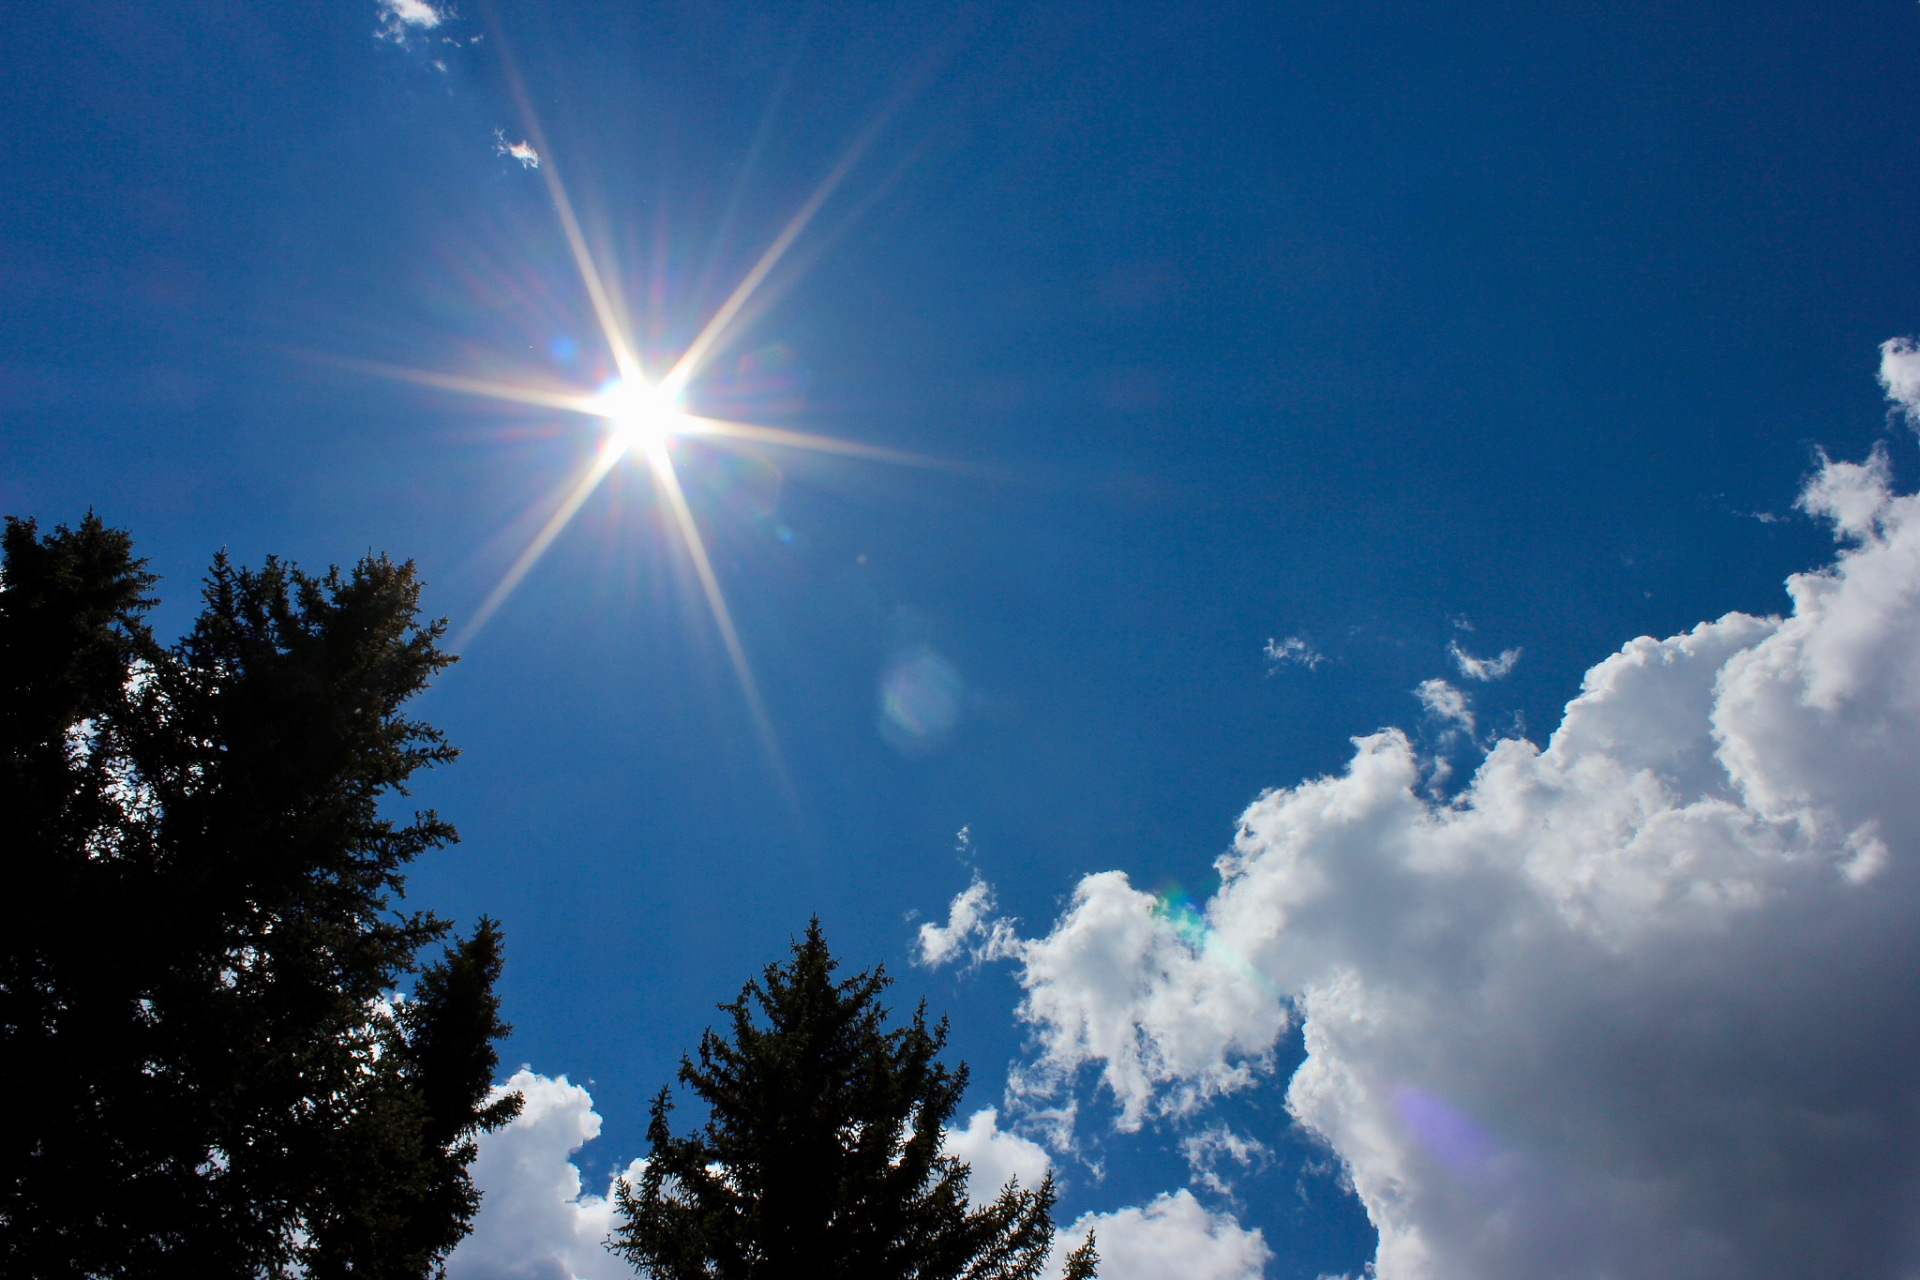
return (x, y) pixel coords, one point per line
(821, 1153)
(206, 1068)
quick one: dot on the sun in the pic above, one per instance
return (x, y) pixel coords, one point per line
(639, 416)
(643, 417)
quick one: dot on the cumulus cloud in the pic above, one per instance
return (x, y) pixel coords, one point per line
(534, 1222)
(1473, 668)
(522, 151)
(993, 1156)
(1643, 1002)
(1292, 651)
(1174, 1237)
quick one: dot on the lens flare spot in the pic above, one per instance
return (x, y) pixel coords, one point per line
(1449, 1135)
(1175, 906)
(919, 701)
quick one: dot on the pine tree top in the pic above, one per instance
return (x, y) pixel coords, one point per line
(821, 1153)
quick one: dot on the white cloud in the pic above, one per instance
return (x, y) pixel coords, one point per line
(1292, 650)
(994, 1155)
(1171, 1021)
(969, 917)
(1172, 1238)
(522, 151)
(1210, 1148)
(1446, 704)
(402, 18)
(1483, 668)
(534, 1223)
(1645, 1002)
(1900, 372)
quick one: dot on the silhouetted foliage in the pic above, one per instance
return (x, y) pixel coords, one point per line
(821, 1153)
(206, 1069)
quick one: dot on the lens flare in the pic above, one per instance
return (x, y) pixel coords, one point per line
(639, 416)
(1175, 906)
(920, 697)
(1452, 1138)
(644, 418)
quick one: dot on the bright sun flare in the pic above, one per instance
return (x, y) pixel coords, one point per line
(643, 416)
(638, 416)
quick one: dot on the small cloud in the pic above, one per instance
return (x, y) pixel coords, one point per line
(1900, 374)
(402, 18)
(1483, 668)
(1445, 703)
(1208, 1149)
(522, 151)
(1293, 650)
(969, 918)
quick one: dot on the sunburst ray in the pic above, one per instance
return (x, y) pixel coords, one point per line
(642, 416)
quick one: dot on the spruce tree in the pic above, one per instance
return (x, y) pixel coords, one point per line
(821, 1151)
(207, 1067)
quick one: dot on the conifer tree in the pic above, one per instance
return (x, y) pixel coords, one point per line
(206, 1066)
(821, 1152)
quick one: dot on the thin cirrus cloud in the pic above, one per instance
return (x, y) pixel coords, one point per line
(1645, 1001)
(536, 1222)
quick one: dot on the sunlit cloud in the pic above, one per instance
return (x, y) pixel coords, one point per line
(536, 1218)
(1172, 1237)
(401, 18)
(1638, 1002)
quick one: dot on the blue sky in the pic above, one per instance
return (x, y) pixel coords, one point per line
(1400, 332)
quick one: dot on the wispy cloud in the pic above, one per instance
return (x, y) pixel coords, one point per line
(971, 930)
(1446, 704)
(522, 150)
(1483, 668)
(1216, 1146)
(1294, 651)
